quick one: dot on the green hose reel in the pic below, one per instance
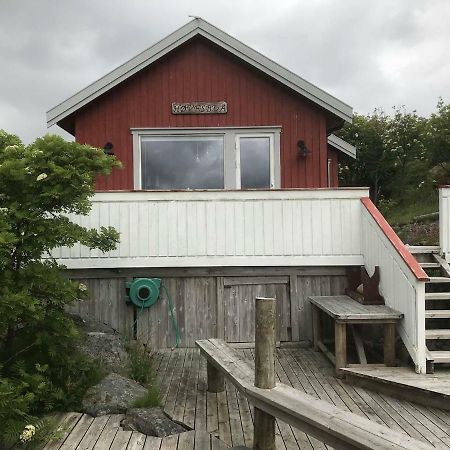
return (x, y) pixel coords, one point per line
(143, 292)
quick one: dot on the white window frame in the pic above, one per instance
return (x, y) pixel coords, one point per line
(231, 157)
(271, 156)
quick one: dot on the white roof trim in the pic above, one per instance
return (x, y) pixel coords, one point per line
(342, 145)
(173, 40)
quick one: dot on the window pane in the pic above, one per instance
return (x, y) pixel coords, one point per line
(182, 162)
(255, 162)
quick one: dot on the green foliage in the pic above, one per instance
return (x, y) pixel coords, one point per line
(150, 399)
(401, 157)
(40, 185)
(142, 371)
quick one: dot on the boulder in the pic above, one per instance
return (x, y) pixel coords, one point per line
(109, 348)
(152, 422)
(113, 395)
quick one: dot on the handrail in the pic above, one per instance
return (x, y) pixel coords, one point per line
(396, 242)
(341, 429)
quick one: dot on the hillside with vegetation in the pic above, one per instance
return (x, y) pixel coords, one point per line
(403, 157)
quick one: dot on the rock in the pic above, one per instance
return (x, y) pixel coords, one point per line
(152, 422)
(109, 348)
(113, 395)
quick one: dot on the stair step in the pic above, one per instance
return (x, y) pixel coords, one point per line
(437, 314)
(439, 280)
(437, 334)
(429, 265)
(437, 296)
(440, 356)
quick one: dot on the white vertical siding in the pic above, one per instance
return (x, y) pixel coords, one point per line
(226, 228)
(444, 221)
(398, 285)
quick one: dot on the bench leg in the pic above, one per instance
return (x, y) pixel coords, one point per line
(317, 331)
(389, 344)
(264, 431)
(340, 345)
(216, 381)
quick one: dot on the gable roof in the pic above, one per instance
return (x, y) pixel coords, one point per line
(195, 27)
(343, 146)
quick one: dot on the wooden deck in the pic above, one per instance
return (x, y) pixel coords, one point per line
(403, 382)
(228, 416)
(83, 432)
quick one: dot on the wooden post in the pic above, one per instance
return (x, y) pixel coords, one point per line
(216, 380)
(389, 344)
(317, 331)
(265, 339)
(340, 346)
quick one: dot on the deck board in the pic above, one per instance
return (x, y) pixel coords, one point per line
(229, 417)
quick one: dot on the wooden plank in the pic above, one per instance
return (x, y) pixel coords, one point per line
(121, 439)
(343, 307)
(109, 432)
(186, 441)
(294, 305)
(136, 441)
(169, 442)
(161, 272)
(242, 280)
(191, 398)
(220, 308)
(66, 425)
(360, 345)
(340, 346)
(91, 436)
(154, 443)
(77, 433)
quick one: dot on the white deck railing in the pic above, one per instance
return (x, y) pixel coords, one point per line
(402, 280)
(224, 228)
(444, 221)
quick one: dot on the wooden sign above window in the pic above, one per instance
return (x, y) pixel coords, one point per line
(200, 108)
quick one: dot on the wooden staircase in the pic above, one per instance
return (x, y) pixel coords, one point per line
(437, 305)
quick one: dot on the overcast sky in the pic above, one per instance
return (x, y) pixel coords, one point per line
(367, 53)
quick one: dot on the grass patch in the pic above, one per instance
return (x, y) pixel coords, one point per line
(405, 211)
(152, 398)
(142, 371)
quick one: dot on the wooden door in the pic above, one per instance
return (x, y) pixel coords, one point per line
(239, 306)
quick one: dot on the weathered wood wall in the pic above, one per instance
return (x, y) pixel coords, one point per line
(209, 303)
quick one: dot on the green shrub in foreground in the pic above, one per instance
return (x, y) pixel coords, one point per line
(40, 184)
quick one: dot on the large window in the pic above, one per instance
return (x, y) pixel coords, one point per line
(182, 162)
(206, 158)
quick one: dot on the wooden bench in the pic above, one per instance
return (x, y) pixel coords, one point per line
(346, 311)
(326, 422)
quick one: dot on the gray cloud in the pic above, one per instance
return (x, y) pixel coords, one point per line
(368, 54)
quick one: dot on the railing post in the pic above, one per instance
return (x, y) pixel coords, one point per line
(265, 320)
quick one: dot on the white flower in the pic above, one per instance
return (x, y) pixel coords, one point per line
(3, 209)
(42, 176)
(82, 287)
(28, 432)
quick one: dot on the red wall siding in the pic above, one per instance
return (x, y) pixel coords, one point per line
(200, 71)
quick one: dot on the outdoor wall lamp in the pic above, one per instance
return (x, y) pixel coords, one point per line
(303, 151)
(108, 149)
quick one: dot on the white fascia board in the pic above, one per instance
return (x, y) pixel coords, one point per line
(341, 145)
(224, 40)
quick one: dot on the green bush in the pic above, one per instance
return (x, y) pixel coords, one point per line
(40, 184)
